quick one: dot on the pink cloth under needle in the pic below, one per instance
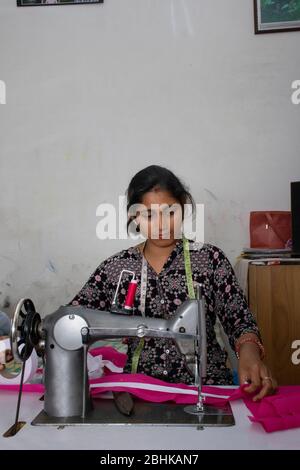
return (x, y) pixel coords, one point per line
(277, 412)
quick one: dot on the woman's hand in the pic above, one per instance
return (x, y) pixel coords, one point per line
(253, 371)
(5, 355)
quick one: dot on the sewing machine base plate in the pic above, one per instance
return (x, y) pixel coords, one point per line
(104, 412)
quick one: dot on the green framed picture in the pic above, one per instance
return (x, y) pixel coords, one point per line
(37, 3)
(274, 16)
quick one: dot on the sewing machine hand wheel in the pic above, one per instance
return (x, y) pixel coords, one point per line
(24, 334)
(24, 337)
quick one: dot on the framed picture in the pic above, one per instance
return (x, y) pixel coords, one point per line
(274, 16)
(37, 3)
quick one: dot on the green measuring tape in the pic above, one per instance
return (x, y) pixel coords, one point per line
(188, 268)
(191, 292)
(136, 356)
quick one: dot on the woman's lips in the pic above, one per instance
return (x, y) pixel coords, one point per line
(164, 235)
(160, 235)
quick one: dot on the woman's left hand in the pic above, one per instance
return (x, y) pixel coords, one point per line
(253, 371)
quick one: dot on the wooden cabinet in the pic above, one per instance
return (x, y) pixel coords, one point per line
(274, 298)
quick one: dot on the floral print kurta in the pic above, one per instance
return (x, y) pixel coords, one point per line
(165, 292)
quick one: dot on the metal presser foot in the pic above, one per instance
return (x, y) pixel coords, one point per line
(212, 416)
(209, 415)
(198, 409)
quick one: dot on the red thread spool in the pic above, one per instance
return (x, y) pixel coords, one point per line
(130, 294)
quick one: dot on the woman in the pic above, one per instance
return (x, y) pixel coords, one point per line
(165, 286)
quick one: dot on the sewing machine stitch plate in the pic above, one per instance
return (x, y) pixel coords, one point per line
(145, 414)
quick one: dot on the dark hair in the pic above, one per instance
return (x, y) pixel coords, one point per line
(155, 176)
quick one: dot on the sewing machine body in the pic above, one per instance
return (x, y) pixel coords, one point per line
(63, 338)
(65, 382)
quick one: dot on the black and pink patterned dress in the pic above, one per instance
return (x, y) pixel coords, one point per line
(165, 292)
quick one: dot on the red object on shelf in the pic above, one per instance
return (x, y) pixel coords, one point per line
(271, 229)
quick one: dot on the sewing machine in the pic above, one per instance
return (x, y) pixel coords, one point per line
(63, 339)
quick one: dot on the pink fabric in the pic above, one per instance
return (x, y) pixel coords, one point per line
(277, 412)
(35, 388)
(159, 391)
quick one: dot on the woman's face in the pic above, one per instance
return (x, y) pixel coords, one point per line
(160, 217)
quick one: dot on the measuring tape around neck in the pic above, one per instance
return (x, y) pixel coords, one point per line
(188, 268)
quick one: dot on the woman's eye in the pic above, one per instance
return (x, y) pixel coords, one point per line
(168, 213)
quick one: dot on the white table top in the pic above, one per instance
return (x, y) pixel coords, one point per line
(244, 435)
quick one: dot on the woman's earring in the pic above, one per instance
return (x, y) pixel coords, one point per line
(138, 228)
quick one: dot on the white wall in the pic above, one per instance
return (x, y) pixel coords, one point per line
(97, 92)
